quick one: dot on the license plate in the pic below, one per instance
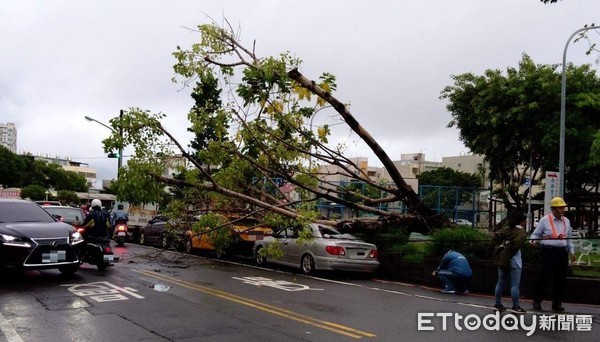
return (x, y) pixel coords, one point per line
(54, 256)
(121, 234)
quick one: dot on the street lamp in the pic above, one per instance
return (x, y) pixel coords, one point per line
(120, 157)
(563, 92)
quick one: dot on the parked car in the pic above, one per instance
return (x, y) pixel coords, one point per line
(32, 239)
(243, 234)
(70, 215)
(327, 249)
(414, 236)
(46, 203)
(463, 222)
(157, 233)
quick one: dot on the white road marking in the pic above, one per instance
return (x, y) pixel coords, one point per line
(9, 332)
(278, 284)
(103, 291)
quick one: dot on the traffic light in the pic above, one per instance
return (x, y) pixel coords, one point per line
(113, 155)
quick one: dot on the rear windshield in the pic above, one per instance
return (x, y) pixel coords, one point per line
(66, 213)
(23, 212)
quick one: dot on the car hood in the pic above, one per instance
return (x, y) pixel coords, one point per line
(37, 229)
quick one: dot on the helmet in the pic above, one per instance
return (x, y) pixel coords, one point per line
(557, 202)
(96, 203)
(120, 206)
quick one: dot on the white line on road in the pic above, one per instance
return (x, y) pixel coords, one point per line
(9, 332)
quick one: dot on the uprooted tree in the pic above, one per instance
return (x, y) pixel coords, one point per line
(252, 139)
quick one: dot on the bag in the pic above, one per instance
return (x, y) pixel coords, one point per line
(501, 256)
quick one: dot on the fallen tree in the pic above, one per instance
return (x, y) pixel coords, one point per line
(251, 140)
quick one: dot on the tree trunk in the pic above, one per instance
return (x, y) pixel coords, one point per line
(404, 191)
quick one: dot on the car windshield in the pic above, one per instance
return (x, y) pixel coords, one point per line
(23, 212)
(68, 214)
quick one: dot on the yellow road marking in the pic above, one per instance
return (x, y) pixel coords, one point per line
(337, 328)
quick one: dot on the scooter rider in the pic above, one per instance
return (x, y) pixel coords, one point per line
(118, 216)
(96, 223)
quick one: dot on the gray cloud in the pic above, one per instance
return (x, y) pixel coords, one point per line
(65, 59)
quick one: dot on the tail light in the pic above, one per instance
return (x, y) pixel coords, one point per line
(107, 250)
(80, 230)
(373, 254)
(121, 228)
(335, 250)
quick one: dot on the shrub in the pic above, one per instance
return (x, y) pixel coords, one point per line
(414, 251)
(531, 255)
(472, 243)
(387, 241)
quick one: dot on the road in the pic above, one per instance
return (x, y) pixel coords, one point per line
(154, 295)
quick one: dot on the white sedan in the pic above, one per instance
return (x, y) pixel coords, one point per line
(463, 222)
(326, 249)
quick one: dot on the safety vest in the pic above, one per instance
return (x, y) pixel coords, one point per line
(555, 235)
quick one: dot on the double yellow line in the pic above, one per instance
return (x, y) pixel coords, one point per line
(336, 328)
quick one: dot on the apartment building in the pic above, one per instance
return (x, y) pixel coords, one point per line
(82, 169)
(8, 136)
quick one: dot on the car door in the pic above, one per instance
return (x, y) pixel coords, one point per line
(286, 242)
(295, 248)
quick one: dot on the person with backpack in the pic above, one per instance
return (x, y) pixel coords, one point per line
(96, 224)
(507, 256)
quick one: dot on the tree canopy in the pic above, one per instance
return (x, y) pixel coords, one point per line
(252, 139)
(446, 176)
(512, 119)
(23, 170)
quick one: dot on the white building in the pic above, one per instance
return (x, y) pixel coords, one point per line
(8, 136)
(82, 169)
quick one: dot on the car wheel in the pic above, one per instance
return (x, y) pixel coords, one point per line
(259, 256)
(69, 270)
(142, 238)
(187, 246)
(307, 264)
(165, 242)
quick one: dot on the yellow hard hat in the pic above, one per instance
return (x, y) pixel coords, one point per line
(557, 202)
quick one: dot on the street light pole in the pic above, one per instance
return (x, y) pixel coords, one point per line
(563, 100)
(120, 158)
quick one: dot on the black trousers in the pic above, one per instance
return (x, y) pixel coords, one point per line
(555, 265)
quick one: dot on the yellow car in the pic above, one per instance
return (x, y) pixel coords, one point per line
(239, 239)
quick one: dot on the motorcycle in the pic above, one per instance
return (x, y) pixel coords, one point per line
(96, 251)
(120, 234)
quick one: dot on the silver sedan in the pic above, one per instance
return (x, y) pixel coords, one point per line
(325, 249)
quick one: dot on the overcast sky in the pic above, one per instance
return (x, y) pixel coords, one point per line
(62, 60)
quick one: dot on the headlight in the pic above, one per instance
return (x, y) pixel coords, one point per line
(76, 238)
(9, 240)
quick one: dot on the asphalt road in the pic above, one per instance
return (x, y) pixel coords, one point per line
(154, 295)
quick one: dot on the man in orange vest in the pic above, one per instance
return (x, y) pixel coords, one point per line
(553, 235)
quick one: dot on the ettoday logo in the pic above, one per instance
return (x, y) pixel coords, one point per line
(508, 322)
